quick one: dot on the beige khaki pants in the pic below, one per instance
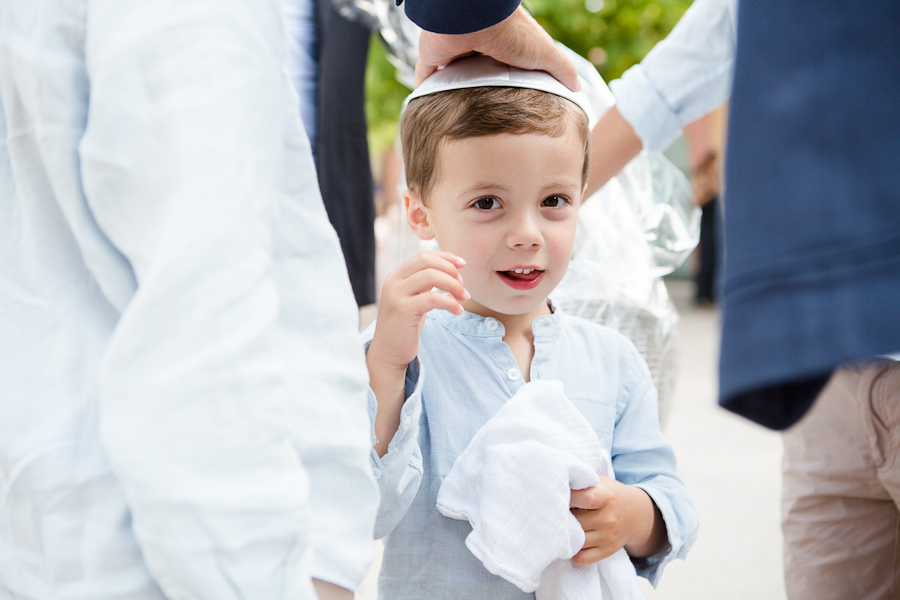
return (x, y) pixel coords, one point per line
(841, 494)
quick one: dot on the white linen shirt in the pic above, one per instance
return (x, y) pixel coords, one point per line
(683, 77)
(182, 393)
(463, 374)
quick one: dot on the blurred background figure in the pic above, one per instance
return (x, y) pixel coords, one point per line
(181, 380)
(705, 141)
(326, 62)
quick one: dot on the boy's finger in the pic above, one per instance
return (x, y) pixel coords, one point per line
(435, 300)
(443, 261)
(425, 281)
(589, 499)
(588, 556)
(456, 261)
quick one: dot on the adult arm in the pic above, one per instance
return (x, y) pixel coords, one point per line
(219, 406)
(684, 77)
(613, 144)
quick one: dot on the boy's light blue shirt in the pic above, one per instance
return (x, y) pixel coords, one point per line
(463, 374)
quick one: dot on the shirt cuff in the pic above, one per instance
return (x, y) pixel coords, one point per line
(459, 16)
(399, 471)
(651, 567)
(409, 414)
(639, 102)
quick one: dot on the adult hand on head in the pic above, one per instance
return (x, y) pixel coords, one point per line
(518, 40)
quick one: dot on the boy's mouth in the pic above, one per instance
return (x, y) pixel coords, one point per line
(522, 279)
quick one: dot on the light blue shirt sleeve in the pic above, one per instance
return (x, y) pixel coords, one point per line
(642, 457)
(685, 76)
(399, 471)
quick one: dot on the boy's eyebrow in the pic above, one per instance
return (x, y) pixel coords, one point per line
(563, 183)
(484, 185)
(489, 185)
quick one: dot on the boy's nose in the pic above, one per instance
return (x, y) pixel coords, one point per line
(525, 233)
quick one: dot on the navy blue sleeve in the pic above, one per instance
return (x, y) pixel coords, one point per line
(458, 16)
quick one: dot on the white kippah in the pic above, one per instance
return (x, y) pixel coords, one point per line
(484, 71)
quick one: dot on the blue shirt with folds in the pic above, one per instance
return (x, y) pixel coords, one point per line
(463, 374)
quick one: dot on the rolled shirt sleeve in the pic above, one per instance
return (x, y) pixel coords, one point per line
(685, 76)
(399, 471)
(232, 391)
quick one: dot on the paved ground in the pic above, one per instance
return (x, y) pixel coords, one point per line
(732, 470)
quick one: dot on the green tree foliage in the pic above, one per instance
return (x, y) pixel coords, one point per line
(384, 95)
(612, 34)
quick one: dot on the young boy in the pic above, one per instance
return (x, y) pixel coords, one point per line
(496, 175)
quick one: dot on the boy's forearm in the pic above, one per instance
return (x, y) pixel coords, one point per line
(649, 535)
(388, 384)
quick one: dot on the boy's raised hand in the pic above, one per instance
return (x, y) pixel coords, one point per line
(614, 515)
(406, 298)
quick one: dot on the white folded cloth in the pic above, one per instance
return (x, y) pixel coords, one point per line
(513, 484)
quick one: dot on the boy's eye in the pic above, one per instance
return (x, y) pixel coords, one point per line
(554, 201)
(487, 203)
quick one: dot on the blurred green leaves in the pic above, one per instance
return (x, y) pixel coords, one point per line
(612, 34)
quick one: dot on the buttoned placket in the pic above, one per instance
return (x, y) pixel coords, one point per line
(506, 361)
(544, 330)
(500, 350)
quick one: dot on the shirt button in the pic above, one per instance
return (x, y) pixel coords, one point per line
(376, 472)
(492, 325)
(406, 423)
(513, 374)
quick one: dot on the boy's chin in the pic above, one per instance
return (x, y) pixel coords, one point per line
(511, 307)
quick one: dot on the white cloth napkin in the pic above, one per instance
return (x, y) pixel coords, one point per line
(513, 483)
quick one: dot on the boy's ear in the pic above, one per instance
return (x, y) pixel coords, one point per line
(417, 215)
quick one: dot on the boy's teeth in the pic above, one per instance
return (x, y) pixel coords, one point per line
(518, 270)
(523, 271)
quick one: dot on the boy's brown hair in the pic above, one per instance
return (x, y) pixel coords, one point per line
(430, 120)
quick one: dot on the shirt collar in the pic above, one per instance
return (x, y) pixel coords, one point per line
(476, 325)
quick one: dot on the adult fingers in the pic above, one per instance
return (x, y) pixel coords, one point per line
(563, 69)
(424, 67)
(439, 49)
(521, 42)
